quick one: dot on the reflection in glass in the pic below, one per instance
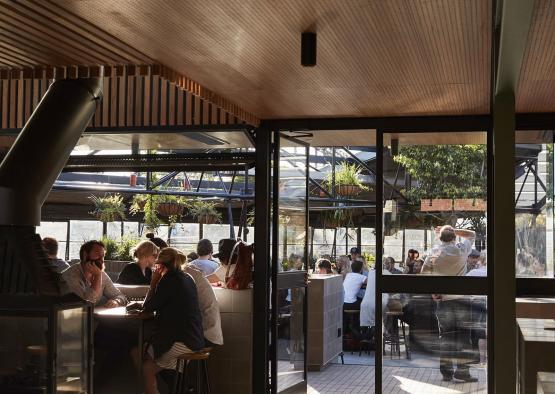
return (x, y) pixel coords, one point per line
(432, 341)
(292, 208)
(534, 204)
(290, 337)
(71, 350)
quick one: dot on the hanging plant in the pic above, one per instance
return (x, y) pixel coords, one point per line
(347, 180)
(171, 206)
(109, 208)
(337, 218)
(205, 212)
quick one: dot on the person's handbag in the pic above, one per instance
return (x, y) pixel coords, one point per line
(241, 277)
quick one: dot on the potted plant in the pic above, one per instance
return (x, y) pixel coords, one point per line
(109, 208)
(347, 180)
(205, 212)
(146, 204)
(170, 206)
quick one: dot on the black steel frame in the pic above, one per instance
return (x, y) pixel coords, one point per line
(426, 285)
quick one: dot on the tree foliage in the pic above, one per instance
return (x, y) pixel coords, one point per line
(444, 171)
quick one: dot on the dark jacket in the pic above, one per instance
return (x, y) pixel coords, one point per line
(178, 317)
(132, 275)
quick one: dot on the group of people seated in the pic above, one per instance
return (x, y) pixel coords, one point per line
(180, 293)
(447, 257)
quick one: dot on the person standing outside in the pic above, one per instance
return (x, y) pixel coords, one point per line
(204, 262)
(453, 311)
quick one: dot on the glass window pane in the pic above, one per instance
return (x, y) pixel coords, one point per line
(290, 337)
(80, 232)
(434, 343)
(432, 180)
(534, 203)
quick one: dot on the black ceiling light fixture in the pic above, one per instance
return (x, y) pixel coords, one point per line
(308, 49)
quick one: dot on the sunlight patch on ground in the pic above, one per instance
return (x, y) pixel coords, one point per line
(414, 386)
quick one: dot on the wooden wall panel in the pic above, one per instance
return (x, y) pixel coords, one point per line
(127, 101)
(36, 33)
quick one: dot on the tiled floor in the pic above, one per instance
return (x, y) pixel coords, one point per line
(343, 379)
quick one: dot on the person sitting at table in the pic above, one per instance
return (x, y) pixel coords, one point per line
(173, 296)
(209, 307)
(50, 245)
(351, 286)
(156, 241)
(139, 272)
(192, 256)
(204, 261)
(225, 247)
(389, 265)
(323, 267)
(343, 265)
(88, 279)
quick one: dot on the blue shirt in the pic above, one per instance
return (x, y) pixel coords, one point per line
(207, 267)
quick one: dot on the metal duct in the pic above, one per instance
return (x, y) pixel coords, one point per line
(41, 150)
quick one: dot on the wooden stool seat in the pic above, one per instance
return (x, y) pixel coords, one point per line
(202, 379)
(194, 356)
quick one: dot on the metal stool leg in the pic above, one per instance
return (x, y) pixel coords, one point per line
(407, 351)
(206, 378)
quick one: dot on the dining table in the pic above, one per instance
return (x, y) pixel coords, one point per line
(536, 342)
(139, 319)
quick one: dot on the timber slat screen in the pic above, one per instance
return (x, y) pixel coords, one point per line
(130, 99)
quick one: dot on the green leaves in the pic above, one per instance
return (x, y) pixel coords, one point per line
(109, 208)
(445, 171)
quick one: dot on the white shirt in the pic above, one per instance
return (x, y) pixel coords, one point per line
(351, 286)
(448, 258)
(368, 305)
(482, 271)
(209, 308)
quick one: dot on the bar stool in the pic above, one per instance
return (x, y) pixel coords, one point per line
(392, 337)
(180, 381)
(350, 318)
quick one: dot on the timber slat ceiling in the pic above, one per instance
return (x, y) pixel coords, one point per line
(375, 57)
(39, 38)
(536, 90)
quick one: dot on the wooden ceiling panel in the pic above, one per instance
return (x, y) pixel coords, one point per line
(536, 90)
(375, 58)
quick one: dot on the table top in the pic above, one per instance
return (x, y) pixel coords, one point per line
(119, 313)
(533, 330)
(533, 300)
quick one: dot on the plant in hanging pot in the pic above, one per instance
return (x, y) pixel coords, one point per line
(171, 206)
(347, 180)
(109, 208)
(146, 204)
(205, 212)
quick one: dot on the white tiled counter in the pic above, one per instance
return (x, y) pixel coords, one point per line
(230, 365)
(325, 320)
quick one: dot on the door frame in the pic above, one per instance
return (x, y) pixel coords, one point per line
(428, 285)
(300, 387)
